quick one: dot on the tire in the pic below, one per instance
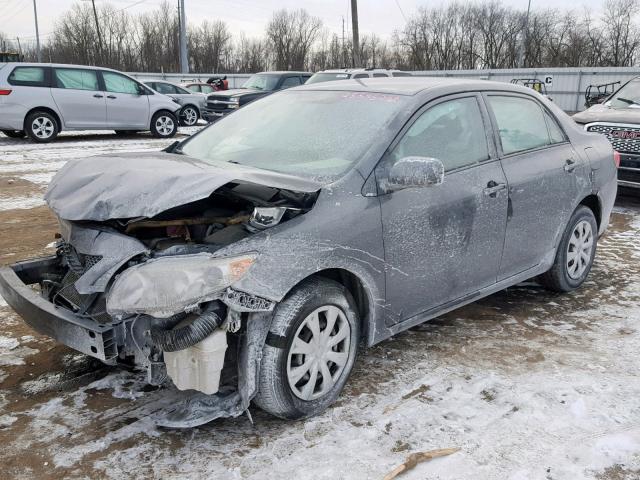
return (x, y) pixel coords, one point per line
(292, 319)
(189, 116)
(14, 133)
(568, 271)
(164, 125)
(42, 127)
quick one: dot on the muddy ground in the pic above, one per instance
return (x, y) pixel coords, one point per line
(528, 384)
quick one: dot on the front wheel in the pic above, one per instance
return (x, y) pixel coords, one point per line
(575, 254)
(14, 133)
(164, 125)
(189, 116)
(310, 350)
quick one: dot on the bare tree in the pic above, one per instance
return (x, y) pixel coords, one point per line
(290, 36)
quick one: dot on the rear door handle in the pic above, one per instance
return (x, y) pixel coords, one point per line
(97, 95)
(111, 96)
(493, 188)
(569, 166)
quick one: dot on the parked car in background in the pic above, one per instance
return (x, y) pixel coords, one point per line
(257, 86)
(199, 87)
(192, 103)
(355, 73)
(618, 118)
(40, 100)
(251, 261)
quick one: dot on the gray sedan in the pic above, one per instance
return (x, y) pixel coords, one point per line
(251, 261)
(192, 103)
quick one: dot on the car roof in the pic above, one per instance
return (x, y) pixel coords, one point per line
(284, 72)
(358, 70)
(61, 65)
(412, 85)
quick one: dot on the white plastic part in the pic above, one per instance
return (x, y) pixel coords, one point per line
(198, 367)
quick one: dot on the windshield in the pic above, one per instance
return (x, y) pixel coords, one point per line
(314, 134)
(327, 77)
(627, 97)
(261, 82)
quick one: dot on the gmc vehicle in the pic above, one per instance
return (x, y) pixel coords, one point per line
(618, 118)
(252, 261)
(257, 86)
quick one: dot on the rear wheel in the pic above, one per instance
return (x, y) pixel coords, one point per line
(189, 116)
(575, 254)
(164, 125)
(14, 133)
(310, 350)
(41, 126)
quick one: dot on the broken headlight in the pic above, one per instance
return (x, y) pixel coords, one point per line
(165, 286)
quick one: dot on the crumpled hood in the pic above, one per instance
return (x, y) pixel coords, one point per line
(145, 184)
(602, 113)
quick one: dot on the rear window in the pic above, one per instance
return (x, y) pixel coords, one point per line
(28, 76)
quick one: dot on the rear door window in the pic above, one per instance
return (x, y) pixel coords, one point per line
(116, 83)
(376, 75)
(521, 123)
(75, 79)
(555, 132)
(194, 88)
(361, 75)
(166, 88)
(207, 89)
(28, 77)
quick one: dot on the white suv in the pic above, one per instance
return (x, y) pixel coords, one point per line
(347, 73)
(40, 100)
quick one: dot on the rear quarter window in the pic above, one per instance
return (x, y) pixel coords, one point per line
(28, 77)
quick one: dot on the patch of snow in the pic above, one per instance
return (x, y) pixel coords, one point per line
(3, 302)
(20, 203)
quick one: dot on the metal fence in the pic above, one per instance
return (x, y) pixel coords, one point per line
(235, 79)
(565, 85)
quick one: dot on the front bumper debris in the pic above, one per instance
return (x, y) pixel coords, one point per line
(75, 331)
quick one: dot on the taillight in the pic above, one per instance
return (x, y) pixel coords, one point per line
(616, 158)
(4, 92)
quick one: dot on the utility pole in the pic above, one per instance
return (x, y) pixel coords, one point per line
(184, 57)
(95, 16)
(344, 61)
(35, 15)
(525, 32)
(19, 47)
(356, 38)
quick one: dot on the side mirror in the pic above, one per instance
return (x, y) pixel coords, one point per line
(142, 90)
(410, 172)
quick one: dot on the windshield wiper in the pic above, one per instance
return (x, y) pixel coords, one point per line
(626, 100)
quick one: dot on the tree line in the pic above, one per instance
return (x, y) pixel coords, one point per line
(457, 35)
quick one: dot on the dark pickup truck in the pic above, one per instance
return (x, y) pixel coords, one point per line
(257, 86)
(618, 118)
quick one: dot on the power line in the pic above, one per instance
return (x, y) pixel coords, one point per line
(400, 8)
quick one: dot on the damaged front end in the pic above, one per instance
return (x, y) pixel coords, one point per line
(152, 292)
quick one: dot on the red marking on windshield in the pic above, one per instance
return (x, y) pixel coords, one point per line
(371, 96)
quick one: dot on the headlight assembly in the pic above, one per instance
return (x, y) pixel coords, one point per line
(165, 286)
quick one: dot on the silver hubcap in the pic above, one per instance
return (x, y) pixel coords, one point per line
(319, 353)
(189, 116)
(164, 125)
(42, 127)
(579, 249)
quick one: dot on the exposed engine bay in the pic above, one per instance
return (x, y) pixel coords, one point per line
(191, 330)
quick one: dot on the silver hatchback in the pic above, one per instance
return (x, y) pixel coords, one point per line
(41, 100)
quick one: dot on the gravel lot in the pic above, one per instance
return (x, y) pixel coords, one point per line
(528, 384)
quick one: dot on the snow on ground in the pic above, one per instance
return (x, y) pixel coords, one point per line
(530, 385)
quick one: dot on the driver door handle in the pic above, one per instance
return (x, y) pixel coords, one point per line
(111, 96)
(569, 165)
(493, 188)
(97, 95)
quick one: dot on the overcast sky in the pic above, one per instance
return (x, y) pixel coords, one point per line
(250, 16)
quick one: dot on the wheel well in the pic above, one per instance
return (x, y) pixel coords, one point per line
(593, 203)
(357, 290)
(43, 109)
